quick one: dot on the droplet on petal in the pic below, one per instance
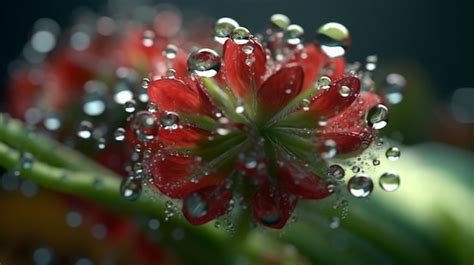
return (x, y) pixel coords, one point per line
(144, 126)
(377, 117)
(224, 28)
(393, 153)
(131, 188)
(294, 34)
(360, 186)
(280, 21)
(336, 171)
(204, 62)
(240, 35)
(85, 130)
(169, 120)
(389, 182)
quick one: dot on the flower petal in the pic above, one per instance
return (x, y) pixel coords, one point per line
(173, 175)
(206, 204)
(302, 183)
(348, 129)
(243, 77)
(280, 88)
(329, 102)
(311, 58)
(182, 137)
(272, 207)
(176, 96)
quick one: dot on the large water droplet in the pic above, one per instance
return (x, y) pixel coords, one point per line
(389, 182)
(85, 130)
(204, 62)
(195, 205)
(393, 153)
(240, 35)
(145, 126)
(280, 21)
(333, 38)
(294, 34)
(336, 171)
(169, 120)
(224, 28)
(377, 117)
(360, 186)
(131, 188)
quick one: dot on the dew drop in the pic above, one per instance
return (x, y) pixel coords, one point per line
(376, 162)
(324, 82)
(170, 51)
(119, 134)
(306, 104)
(294, 34)
(377, 117)
(247, 49)
(85, 130)
(393, 153)
(145, 83)
(389, 182)
(195, 205)
(280, 21)
(336, 171)
(240, 109)
(333, 38)
(334, 222)
(270, 218)
(52, 122)
(169, 120)
(101, 143)
(329, 149)
(344, 91)
(148, 38)
(129, 106)
(27, 160)
(360, 186)
(393, 88)
(131, 188)
(204, 62)
(240, 35)
(224, 28)
(145, 126)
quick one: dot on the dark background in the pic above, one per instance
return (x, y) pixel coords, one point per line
(433, 34)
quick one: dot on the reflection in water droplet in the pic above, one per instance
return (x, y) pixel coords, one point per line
(224, 28)
(360, 186)
(377, 117)
(144, 126)
(131, 188)
(324, 82)
(204, 62)
(240, 35)
(393, 153)
(170, 51)
(129, 106)
(329, 149)
(169, 120)
(148, 38)
(336, 171)
(393, 88)
(344, 91)
(389, 182)
(334, 39)
(280, 21)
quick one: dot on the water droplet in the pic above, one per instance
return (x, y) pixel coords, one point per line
(377, 117)
(393, 88)
(154, 224)
(171, 73)
(195, 205)
(204, 62)
(145, 83)
(345, 91)
(389, 182)
(148, 38)
(329, 149)
(306, 104)
(324, 82)
(224, 28)
(85, 130)
(223, 128)
(355, 169)
(280, 21)
(247, 49)
(333, 38)
(240, 109)
(129, 106)
(119, 134)
(99, 231)
(376, 162)
(240, 35)
(360, 186)
(294, 34)
(152, 108)
(270, 218)
(334, 222)
(393, 153)
(170, 51)
(73, 219)
(131, 188)
(101, 143)
(323, 121)
(169, 120)
(27, 160)
(42, 256)
(336, 171)
(52, 122)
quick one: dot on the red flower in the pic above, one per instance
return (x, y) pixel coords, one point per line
(260, 128)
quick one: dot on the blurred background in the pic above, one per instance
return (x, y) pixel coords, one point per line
(429, 42)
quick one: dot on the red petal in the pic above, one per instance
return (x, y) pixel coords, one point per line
(182, 137)
(174, 95)
(311, 58)
(172, 175)
(330, 102)
(348, 129)
(301, 183)
(280, 88)
(272, 207)
(338, 66)
(240, 76)
(206, 204)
